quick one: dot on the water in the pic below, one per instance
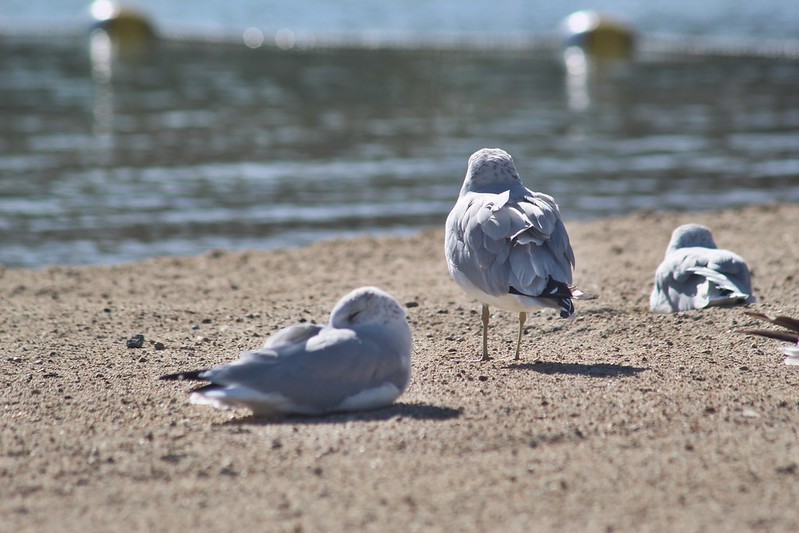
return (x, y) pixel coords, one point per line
(204, 144)
(737, 18)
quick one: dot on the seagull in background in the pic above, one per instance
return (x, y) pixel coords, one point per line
(696, 274)
(360, 360)
(506, 245)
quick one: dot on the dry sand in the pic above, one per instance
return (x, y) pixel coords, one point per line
(618, 420)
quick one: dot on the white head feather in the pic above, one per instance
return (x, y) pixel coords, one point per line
(691, 236)
(490, 170)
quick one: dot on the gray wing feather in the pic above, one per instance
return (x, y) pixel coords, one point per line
(544, 224)
(292, 335)
(693, 278)
(496, 247)
(515, 238)
(471, 221)
(716, 277)
(345, 365)
(282, 342)
(522, 268)
(713, 264)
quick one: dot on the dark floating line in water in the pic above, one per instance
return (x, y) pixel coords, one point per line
(681, 45)
(654, 44)
(286, 39)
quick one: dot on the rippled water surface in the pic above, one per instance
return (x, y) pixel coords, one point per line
(200, 145)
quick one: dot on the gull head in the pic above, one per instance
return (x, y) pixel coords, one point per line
(368, 305)
(490, 170)
(690, 236)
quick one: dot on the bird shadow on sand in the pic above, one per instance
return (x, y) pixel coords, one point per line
(397, 411)
(597, 370)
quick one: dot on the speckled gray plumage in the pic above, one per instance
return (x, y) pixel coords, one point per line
(696, 274)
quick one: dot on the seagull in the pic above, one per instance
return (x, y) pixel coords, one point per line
(792, 324)
(506, 245)
(696, 274)
(360, 360)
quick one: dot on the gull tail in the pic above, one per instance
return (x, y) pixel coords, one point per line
(199, 393)
(193, 375)
(555, 290)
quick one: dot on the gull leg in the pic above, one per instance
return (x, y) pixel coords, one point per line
(522, 320)
(486, 317)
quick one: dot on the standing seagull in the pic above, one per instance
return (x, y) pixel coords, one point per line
(506, 245)
(695, 274)
(360, 360)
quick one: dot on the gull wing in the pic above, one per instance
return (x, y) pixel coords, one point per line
(695, 278)
(499, 241)
(319, 373)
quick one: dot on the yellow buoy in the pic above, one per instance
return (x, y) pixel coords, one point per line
(130, 32)
(599, 36)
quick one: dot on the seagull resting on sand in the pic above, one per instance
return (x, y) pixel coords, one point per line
(360, 360)
(696, 274)
(506, 245)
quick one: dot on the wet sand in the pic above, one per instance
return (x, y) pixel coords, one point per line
(617, 420)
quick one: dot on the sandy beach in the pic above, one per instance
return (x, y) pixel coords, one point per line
(619, 420)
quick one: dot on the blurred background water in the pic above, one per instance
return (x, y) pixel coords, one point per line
(349, 117)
